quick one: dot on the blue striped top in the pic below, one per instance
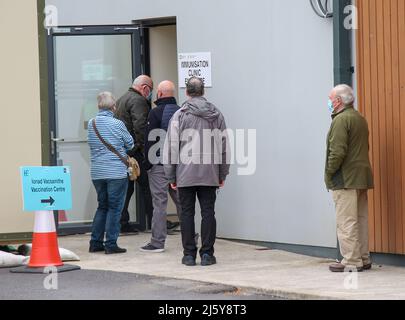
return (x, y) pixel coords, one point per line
(104, 163)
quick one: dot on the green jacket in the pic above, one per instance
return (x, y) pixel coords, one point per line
(347, 161)
(133, 110)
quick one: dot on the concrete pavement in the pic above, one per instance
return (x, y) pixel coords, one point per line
(247, 267)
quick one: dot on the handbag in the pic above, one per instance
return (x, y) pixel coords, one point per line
(134, 171)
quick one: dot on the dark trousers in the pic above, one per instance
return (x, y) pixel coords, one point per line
(206, 197)
(146, 201)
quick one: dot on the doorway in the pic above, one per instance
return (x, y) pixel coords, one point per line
(83, 62)
(162, 63)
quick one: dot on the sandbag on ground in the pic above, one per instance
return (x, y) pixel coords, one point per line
(66, 255)
(9, 260)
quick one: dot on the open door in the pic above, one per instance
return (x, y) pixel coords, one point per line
(83, 62)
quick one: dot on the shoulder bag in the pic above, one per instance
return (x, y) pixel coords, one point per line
(134, 170)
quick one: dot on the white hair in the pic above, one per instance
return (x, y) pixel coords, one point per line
(105, 100)
(141, 80)
(345, 92)
(137, 82)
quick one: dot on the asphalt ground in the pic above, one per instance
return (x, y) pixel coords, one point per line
(108, 285)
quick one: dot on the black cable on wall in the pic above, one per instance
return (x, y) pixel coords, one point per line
(321, 8)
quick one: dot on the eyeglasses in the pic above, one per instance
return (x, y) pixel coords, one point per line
(151, 88)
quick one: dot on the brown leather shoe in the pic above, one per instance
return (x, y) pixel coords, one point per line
(338, 267)
(367, 266)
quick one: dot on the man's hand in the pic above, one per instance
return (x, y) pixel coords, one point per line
(221, 184)
(173, 186)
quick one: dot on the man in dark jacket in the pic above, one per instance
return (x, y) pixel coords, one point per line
(158, 122)
(133, 109)
(348, 174)
(197, 167)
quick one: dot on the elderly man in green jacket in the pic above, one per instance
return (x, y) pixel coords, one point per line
(348, 174)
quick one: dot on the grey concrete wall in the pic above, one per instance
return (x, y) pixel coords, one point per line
(272, 69)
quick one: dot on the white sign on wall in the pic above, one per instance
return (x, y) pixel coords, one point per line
(196, 64)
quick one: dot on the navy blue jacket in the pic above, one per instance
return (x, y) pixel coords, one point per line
(159, 118)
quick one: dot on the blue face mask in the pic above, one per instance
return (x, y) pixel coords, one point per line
(149, 97)
(330, 106)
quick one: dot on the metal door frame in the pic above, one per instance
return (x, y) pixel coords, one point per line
(140, 65)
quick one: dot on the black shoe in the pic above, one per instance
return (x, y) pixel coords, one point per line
(127, 228)
(115, 250)
(188, 261)
(207, 260)
(171, 225)
(93, 249)
(151, 248)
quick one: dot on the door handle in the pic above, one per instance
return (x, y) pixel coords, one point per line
(63, 140)
(57, 139)
(53, 143)
(72, 141)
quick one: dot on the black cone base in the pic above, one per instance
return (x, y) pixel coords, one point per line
(26, 269)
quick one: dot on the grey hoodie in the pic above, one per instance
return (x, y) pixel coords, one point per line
(196, 146)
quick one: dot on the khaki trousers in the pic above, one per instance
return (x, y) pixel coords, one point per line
(352, 226)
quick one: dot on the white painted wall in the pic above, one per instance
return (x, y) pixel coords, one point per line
(272, 71)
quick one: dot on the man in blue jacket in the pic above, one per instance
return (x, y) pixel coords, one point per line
(155, 133)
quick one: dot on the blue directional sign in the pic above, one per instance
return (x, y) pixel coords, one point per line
(46, 188)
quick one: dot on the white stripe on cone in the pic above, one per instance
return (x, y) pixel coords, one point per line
(44, 222)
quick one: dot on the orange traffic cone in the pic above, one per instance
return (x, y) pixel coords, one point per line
(45, 249)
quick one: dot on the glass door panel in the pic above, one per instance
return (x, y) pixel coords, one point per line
(85, 65)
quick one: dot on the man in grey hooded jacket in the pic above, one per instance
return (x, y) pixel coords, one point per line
(196, 163)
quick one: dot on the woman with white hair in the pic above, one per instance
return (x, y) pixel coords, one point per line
(108, 136)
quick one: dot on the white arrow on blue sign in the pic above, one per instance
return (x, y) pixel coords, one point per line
(46, 188)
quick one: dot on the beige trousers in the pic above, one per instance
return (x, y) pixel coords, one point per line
(352, 226)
